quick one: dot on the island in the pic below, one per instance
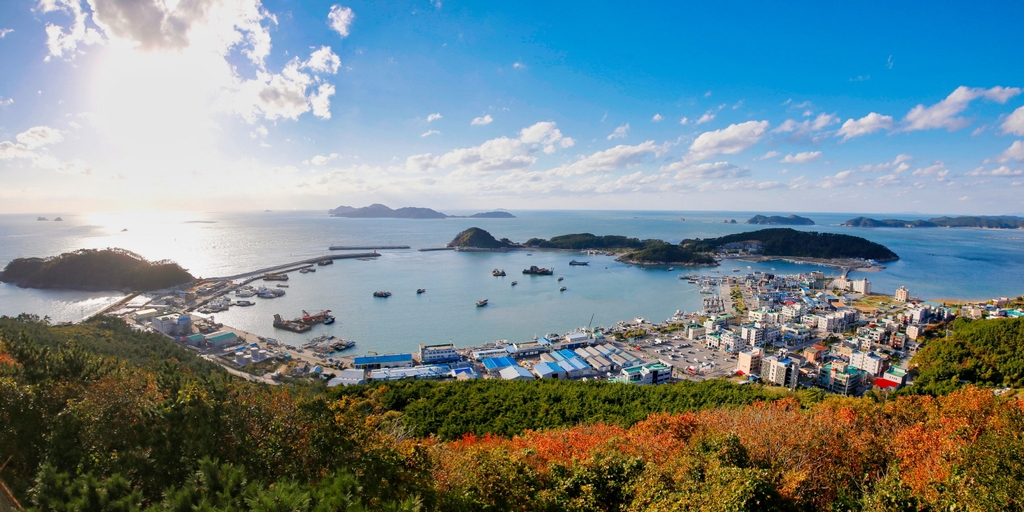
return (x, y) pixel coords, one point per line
(586, 241)
(789, 220)
(658, 252)
(793, 243)
(380, 211)
(95, 270)
(653, 252)
(986, 222)
(476, 238)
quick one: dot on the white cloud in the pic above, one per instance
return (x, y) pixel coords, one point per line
(421, 163)
(620, 132)
(705, 171)
(1014, 122)
(618, 157)
(323, 159)
(428, 133)
(727, 141)
(944, 113)
(5, 31)
(260, 131)
(6, 102)
(999, 172)
(321, 101)
(751, 185)
(802, 158)
(500, 154)
(684, 121)
(770, 154)
(868, 124)
(708, 116)
(482, 121)
(707, 94)
(657, 118)
(324, 61)
(340, 19)
(807, 126)
(39, 136)
(938, 170)
(57, 40)
(518, 65)
(434, 117)
(1014, 152)
(10, 150)
(545, 134)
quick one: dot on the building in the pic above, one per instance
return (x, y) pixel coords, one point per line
(414, 372)
(915, 331)
(222, 339)
(650, 373)
(385, 361)
(431, 354)
(902, 294)
(494, 365)
(575, 340)
(748, 362)
(870, 362)
(780, 370)
(839, 377)
(861, 286)
(515, 372)
(545, 370)
(348, 377)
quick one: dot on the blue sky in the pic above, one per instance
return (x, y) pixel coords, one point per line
(243, 104)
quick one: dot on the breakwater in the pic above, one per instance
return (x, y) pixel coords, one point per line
(366, 248)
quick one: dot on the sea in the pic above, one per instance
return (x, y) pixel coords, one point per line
(934, 264)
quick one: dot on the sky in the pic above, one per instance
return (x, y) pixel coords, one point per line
(214, 105)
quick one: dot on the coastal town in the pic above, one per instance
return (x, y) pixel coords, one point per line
(800, 330)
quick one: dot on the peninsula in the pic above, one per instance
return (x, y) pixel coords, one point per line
(995, 222)
(790, 242)
(380, 211)
(94, 270)
(789, 220)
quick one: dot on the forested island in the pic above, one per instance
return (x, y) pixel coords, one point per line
(99, 416)
(789, 220)
(659, 252)
(380, 211)
(995, 222)
(790, 242)
(94, 270)
(586, 241)
(638, 251)
(479, 239)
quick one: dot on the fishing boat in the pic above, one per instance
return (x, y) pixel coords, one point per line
(481, 303)
(579, 263)
(498, 273)
(244, 303)
(562, 289)
(382, 294)
(282, 286)
(560, 278)
(539, 271)
(420, 290)
(329, 320)
(515, 283)
(325, 262)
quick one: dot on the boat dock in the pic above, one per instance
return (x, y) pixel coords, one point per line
(366, 248)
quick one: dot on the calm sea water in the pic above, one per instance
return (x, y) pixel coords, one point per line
(935, 263)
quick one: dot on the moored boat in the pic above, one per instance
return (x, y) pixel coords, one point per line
(420, 290)
(382, 294)
(562, 289)
(481, 303)
(538, 271)
(579, 263)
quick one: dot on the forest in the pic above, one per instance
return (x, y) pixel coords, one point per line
(95, 269)
(89, 421)
(587, 241)
(806, 244)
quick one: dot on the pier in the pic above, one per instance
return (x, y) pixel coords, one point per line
(366, 248)
(287, 267)
(425, 249)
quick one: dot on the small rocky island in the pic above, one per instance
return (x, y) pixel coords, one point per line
(789, 220)
(380, 211)
(476, 238)
(95, 270)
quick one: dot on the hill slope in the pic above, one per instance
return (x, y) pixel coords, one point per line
(93, 269)
(806, 244)
(478, 238)
(789, 220)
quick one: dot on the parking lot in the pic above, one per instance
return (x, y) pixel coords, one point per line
(682, 353)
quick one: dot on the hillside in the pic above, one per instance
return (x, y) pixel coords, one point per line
(82, 431)
(478, 238)
(93, 269)
(996, 222)
(586, 241)
(806, 244)
(983, 352)
(789, 220)
(664, 253)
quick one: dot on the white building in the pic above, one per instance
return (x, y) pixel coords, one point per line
(749, 361)
(902, 294)
(430, 354)
(780, 371)
(870, 362)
